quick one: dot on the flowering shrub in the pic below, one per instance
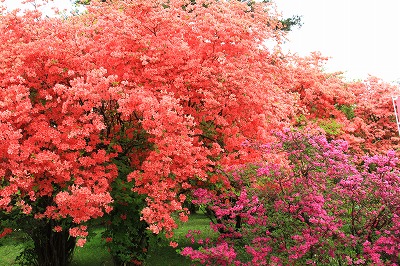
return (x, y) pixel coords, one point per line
(79, 94)
(317, 208)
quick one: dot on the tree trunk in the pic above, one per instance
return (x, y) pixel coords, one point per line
(52, 248)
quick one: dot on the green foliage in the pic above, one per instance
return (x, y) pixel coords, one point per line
(347, 110)
(82, 2)
(331, 127)
(301, 121)
(289, 23)
(28, 256)
(210, 133)
(126, 234)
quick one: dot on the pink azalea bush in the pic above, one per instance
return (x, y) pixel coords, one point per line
(320, 206)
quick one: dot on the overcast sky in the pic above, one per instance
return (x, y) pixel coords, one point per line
(12, 4)
(361, 36)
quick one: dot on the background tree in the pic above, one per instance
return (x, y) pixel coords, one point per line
(361, 112)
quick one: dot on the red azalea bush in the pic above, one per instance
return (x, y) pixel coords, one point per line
(317, 208)
(139, 85)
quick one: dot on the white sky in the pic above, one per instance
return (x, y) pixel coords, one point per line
(361, 36)
(60, 4)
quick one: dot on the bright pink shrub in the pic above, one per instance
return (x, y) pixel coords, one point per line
(318, 208)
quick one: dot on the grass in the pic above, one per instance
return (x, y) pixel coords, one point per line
(94, 253)
(10, 247)
(164, 255)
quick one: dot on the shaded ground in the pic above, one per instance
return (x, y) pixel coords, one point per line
(95, 254)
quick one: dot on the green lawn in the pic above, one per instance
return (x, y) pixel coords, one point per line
(10, 247)
(95, 254)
